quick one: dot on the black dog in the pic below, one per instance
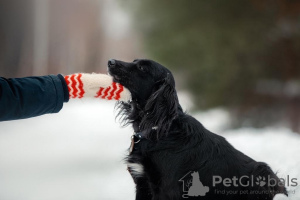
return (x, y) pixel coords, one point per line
(170, 146)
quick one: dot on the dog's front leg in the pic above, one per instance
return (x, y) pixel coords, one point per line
(142, 189)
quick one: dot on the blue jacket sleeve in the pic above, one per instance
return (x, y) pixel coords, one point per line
(31, 96)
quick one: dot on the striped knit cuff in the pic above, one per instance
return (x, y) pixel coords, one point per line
(82, 85)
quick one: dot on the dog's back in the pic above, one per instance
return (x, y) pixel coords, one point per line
(228, 173)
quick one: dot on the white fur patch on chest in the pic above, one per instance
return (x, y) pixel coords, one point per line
(136, 169)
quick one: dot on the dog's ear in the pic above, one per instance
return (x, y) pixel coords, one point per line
(161, 108)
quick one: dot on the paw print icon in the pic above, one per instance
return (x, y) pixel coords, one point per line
(261, 181)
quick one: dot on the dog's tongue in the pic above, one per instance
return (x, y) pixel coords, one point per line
(82, 85)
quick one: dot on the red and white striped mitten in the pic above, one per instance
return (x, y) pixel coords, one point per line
(96, 85)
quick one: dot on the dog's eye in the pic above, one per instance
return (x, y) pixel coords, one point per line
(141, 68)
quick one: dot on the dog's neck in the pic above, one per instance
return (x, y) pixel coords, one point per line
(139, 112)
(144, 120)
(135, 115)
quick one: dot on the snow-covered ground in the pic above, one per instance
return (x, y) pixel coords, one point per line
(77, 154)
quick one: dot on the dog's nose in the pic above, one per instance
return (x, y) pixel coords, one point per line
(111, 62)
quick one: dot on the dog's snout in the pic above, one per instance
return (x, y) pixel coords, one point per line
(111, 62)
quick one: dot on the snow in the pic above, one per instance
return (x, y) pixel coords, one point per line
(78, 153)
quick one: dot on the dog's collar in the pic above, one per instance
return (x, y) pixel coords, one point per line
(136, 138)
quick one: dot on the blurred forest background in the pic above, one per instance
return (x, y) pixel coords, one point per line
(242, 55)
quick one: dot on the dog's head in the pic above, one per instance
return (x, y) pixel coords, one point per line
(141, 77)
(152, 87)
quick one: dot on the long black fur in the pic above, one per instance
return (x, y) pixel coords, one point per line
(175, 143)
